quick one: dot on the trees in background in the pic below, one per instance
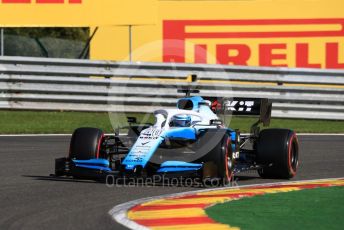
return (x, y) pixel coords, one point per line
(46, 42)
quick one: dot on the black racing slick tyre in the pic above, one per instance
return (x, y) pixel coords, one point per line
(225, 161)
(86, 143)
(278, 152)
(220, 162)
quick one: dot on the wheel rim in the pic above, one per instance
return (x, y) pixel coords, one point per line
(293, 154)
(229, 164)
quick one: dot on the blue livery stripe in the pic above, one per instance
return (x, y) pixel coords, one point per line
(101, 162)
(179, 164)
(177, 169)
(93, 167)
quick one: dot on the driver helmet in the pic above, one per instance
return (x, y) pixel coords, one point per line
(181, 121)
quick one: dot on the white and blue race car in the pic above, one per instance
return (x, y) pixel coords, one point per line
(190, 141)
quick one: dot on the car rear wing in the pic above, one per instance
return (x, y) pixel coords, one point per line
(242, 106)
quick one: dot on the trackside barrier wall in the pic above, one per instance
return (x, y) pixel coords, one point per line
(84, 85)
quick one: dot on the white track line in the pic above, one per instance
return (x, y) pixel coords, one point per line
(320, 134)
(35, 135)
(119, 212)
(52, 134)
(48, 135)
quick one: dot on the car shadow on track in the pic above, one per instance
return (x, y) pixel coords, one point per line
(244, 178)
(121, 183)
(133, 183)
(61, 179)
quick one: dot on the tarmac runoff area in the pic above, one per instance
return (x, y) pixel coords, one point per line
(31, 199)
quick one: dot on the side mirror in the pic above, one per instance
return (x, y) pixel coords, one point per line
(131, 120)
(216, 122)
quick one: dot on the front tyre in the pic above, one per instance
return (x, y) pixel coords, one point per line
(225, 161)
(86, 144)
(218, 170)
(278, 151)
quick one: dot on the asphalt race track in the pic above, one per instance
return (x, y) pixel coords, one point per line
(31, 199)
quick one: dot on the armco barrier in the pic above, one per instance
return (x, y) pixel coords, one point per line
(84, 85)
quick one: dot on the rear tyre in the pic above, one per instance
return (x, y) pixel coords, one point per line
(278, 151)
(85, 144)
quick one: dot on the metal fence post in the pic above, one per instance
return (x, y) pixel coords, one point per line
(2, 43)
(130, 43)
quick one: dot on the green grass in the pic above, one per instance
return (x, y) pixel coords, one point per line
(298, 125)
(14, 122)
(320, 208)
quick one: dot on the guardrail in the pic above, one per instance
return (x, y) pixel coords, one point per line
(84, 85)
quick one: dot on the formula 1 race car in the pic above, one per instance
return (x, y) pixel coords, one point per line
(190, 141)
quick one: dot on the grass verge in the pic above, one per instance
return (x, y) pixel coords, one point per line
(320, 208)
(21, 122)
